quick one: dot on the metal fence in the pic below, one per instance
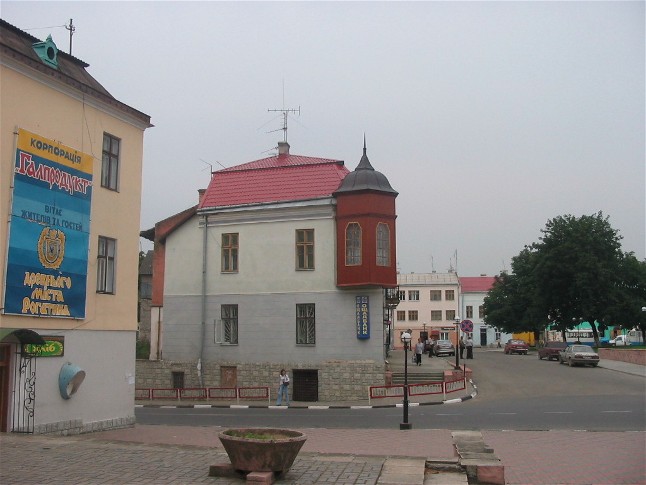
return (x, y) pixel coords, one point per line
(204, 393)
(421, 389)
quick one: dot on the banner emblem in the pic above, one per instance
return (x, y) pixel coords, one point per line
(51, 248)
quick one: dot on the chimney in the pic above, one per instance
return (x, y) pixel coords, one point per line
(200, 195)
(283, 148)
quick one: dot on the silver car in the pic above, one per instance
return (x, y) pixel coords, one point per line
(578, 354)
(444, 347)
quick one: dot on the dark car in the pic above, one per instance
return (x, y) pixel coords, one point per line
(443, 347)
(515, 346)
(551, 350)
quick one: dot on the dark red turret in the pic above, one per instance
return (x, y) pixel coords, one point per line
(365, 228)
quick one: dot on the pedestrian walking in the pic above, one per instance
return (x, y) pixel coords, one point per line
(461, 344)
(283, 388)
(430, 345)
(419, 350)
(469, 346)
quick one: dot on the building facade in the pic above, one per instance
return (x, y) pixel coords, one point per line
(428, 306)
(473, 291)
(283, 265)
(71, 160)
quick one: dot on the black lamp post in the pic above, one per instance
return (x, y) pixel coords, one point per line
(457, 343)
(406, 340)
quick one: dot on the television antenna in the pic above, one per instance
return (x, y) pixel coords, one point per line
(285, 112)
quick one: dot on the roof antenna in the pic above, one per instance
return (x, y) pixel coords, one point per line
(285, 113)
(71, 28)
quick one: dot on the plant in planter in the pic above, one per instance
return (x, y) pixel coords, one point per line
(262, 449)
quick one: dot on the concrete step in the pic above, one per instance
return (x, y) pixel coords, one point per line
(419, 377)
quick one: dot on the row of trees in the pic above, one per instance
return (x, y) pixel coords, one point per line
(576, 271)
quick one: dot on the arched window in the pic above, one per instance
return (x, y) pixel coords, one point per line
(383, 244)
(353, 244)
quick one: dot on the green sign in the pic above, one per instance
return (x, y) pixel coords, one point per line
(53, 347)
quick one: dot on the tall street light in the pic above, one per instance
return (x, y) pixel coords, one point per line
(457, 342)
(406, 340)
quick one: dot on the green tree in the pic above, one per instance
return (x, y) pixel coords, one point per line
(576, 272)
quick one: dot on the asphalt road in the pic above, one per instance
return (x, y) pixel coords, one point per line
(515, 392)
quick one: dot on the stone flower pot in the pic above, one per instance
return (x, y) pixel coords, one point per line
(262, 449)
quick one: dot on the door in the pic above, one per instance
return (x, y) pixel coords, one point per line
(5, 351)
(306, 385)
(483, 336)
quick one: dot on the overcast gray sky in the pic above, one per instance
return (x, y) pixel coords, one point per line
(488, 118)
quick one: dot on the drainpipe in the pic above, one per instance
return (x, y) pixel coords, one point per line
(200, 366)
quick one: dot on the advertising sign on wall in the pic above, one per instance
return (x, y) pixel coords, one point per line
(363, 317)
(49, 230)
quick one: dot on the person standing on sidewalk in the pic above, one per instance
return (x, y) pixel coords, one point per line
(469, 346)
(419, 350)
(283, 389)
(462, 348)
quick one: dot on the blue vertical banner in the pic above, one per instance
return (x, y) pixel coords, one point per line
(50, 229)
(363, 317)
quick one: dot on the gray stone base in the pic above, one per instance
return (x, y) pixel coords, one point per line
(77, 426)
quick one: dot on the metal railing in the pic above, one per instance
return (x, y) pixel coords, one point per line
(204, 393)
(421, 389)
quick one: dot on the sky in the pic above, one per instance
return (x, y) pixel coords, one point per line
(488, 118)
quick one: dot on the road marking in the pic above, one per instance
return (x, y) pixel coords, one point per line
(558, 412)
(448, 414)
(616, 411)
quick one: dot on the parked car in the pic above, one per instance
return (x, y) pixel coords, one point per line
(551, 350)
(444, 347)
(515, 346)
(578, 354)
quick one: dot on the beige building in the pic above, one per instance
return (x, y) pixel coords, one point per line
(70, 189)
(428, 306)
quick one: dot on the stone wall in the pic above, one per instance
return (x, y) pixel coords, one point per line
(632, 356)
(337, 380)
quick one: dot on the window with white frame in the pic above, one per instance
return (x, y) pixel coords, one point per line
(413, 315)
(444, 335)
(106, 265)
(469, 311)
(436, 295)
(402, 295)
(230, 253)
(305, 324)
(481, 311)
(413, 295)
(401, 315)
(449, 295)
(353, 244)
(436, 315)
(229, 314)
(383, 244)
(450, 315)
(304, 249)
(110, 162)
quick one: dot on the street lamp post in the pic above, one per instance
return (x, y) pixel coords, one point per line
(406, 340)
(457, 342)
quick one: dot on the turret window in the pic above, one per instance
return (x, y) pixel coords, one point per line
(353, 244)
(383, 244)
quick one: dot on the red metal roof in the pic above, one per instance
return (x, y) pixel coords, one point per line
(274, 179)
(476, 283)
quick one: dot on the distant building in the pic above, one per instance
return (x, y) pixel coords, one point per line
(71, 160)
(428, 306)
(474, 289)
(285, 264)
(145, 296)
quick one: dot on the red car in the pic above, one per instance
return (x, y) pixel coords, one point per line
(514, 346)
(551, 350)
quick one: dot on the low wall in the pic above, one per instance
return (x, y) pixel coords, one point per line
(632, 356)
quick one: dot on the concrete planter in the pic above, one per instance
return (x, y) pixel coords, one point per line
(275, 454)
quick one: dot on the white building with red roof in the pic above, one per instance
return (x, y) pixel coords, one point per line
(284, 264)
(473, 290)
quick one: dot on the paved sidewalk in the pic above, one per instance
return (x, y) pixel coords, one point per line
(181, 455)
